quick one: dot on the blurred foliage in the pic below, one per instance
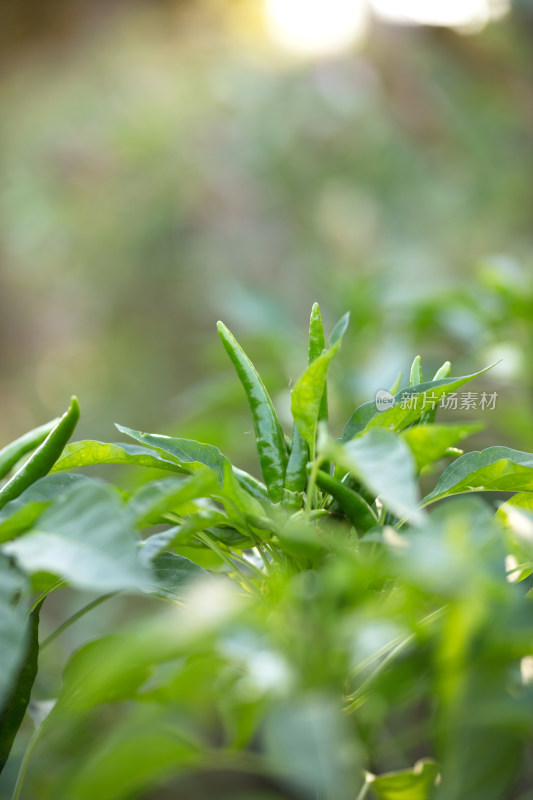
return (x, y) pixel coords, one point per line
(164, 167)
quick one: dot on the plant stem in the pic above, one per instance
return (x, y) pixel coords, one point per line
(227, 560)
(26, 758)
(364, 790)
(311, 485)
(356, 698)
(45, 594)
(75, 617)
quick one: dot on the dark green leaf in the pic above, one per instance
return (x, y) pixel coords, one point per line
(173, 574)
(409, 405)
(383, 463)
(13, 625)
(13, 711)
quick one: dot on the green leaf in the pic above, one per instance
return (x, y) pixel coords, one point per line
(428, 443)
(173, 574)
(443, 372)
(307, 394)
(317, 340)
(409, 405)
(415, 376)
(151, 502)
(383, 463)
(184, 453)
(414, 784)
(306, 739)
(496, 469)
(12, 713)
(20, 514)
(339, 330)
(13, 626)
(138, 753)
(88, 452)
(85, 538)
(296, 476)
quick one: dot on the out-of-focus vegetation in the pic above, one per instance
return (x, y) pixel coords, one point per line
(334, 636)
(163, 165)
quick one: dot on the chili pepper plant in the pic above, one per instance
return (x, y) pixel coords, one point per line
(321, 631)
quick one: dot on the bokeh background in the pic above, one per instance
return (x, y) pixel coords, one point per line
(166, 164)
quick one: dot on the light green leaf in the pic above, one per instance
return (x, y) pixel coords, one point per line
(307, 394)
(443, 371)
(85, 538)
(413, 784)
(88, 452)
(496, 469)
(428, 443)
(415, 376)
(185, 453)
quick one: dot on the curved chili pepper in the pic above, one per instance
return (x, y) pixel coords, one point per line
(13, 452)
(353, 505)
(43, 459)
(271, 446)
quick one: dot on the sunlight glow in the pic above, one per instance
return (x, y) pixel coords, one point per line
(469, 14)
(326, 27)
(316, 27)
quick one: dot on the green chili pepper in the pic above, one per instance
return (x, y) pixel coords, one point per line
(354, 507)
(13, 452)
(44, 458)
(271, 445)
(296, 477)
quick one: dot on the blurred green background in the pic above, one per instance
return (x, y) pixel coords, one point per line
(165, 164)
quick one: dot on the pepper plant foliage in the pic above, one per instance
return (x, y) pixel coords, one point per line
(324, 632)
